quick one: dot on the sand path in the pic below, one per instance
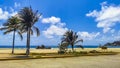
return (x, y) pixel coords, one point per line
(109, 61)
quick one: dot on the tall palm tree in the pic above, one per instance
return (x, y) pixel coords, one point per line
(12, 25)
(71, 38)
(29, 18)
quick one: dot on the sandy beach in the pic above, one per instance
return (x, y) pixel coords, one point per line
(105, 61)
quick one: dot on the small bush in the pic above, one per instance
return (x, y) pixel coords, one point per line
(69, 51)
(83, 52)
(61, 52)
(94, 51)
(76, 53)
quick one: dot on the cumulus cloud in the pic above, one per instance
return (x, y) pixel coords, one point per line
(107, 17)
(5, 14)
(56, 28)
(109, 37)
(51, 20)
(16, 5)
(88, 36)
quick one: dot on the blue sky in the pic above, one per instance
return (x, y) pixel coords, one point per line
(95, 21)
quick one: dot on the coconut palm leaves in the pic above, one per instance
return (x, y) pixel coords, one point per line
(23, 22)
(71, 38)
(29, 18)
(12, 25)
(63, 47)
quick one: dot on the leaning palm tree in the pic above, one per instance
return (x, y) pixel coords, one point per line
(29, 18)
(12, 25)
(71, 38)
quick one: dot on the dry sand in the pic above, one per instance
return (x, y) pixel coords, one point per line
(108, 61)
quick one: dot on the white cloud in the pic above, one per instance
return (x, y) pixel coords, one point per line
(16, 5)
(13, 13)
(56, 28)
(107, 17)
(109, 37)
(11, 9)
(52, 20)
(88, 36)
(113, 30)
(5, 14)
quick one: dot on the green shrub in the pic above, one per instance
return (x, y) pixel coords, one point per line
(61, 52)
(76, 53)
(69, 51)
(83, 52)
(94, 51)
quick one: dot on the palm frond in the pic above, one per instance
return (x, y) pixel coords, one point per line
(80, 46)
(23, 28)
(4, 28)
(6, 24)
(28, 16)
(37, 30)
(31, 31)
(81, 40)
(8, 31)
(20, 35)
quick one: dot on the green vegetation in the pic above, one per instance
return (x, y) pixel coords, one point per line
(34, 55)
(69, 38)
(28, 19)
(12, 25)
(94, 51)
(67, 54)
(22, 22)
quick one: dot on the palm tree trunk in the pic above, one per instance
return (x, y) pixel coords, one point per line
(13, 42)
(72, 47)
(28, 42)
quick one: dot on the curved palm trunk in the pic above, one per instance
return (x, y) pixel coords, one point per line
(28, 43)
(13, 42)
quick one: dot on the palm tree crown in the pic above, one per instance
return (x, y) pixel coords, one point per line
(71, 38)
(12, 25)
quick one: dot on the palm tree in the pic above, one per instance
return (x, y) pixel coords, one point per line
(71, 38)
(63, 47)
(12, 25)
(29, 18)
